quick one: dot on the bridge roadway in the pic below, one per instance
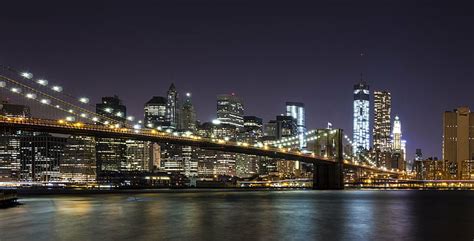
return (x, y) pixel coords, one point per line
(77, 128)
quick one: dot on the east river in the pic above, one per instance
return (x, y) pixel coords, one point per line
(244, 215)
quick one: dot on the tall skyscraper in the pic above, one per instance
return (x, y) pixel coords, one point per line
(361, 139)
(458, 143)
(296, 110)
(156, 113)
(397, 134)
(286, 126)
(230, 110)
(111, 152)
(188, 115)
(172, 107)
(382, 121)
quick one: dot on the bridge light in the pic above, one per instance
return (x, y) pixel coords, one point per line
(71, 111)
(119, 114)
(158, 128)
(27, 75)
(61, 121)
(149, 125)
(42, 82)
(130, 118)
(69, 118)
(117, 125)
(57, 88)
(106, 122)
(84, 100)
(83, 115)
(45, 101)
(31, 96)
(57, 106)
(137, 126)
(95, 119)
(15, 90)
(108, 110)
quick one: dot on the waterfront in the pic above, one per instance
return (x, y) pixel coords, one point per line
(244, 215)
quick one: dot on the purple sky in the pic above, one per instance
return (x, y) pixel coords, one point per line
(267, 52)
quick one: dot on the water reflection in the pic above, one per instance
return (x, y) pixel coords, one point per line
(283, 215)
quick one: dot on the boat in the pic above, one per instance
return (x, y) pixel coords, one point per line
(8, 197)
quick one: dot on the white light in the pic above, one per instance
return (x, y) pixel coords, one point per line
(71, 111)
(137, 127)
(130, 118)
(139, 122)
(42, 82)
(15, 90)
(3, 84)
(216, 122)
(45, 101)
(31, 96)
(108, 110)
(188, 94)
(57, 88)
(106, 122)
(57, 106)
(84, 100)
(27, 75)
(83, 115)
(119, 114)
(70, 118)
(149, 125)
(95, 119)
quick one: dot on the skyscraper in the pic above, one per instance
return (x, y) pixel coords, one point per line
(296, 110)
(230, 110)
(156, 113)
(188, 115)
(397, 135)
(286, 126)
(361, 133)
(458, 143)
(172, 107)
(382, 121)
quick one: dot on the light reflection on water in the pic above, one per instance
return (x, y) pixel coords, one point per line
(253, 215)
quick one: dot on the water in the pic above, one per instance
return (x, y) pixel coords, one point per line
(244, 215)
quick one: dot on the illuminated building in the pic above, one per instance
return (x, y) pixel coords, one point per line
(397, 135)
(172, 107)
(361, 133)
(156, 113)
(78, 164)
(188, 115)
(458, 143)
(382, 121)
(111, 152)
(398, 146)
(296, 110)
(230, 110)
(252, 131)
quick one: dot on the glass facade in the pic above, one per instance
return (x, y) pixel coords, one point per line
(296, 110)
(361, 134)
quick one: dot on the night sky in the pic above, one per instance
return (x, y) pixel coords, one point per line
(267, 52)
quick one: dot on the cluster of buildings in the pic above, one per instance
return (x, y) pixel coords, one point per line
(388, 149)
(45, 157)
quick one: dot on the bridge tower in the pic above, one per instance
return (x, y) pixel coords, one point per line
(330, 176)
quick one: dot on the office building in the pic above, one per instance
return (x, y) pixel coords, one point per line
(296, 110)
(382, 124)
(156, 113)
(230, 110)
(188, 115)
(361, 133)
(172, 107)
(458, 143)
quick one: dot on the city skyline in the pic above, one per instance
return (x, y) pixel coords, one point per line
(287, 70)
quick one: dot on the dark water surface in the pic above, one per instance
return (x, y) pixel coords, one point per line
(244, 215)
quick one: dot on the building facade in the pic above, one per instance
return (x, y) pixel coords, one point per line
(296, 110)
(361, 132)
(230, 110)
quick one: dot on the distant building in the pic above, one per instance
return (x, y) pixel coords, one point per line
(296, 110)
(429, 169)
(13, 110)
(156, 113)
(78, 164)
(270, 131)
(113, 108)
(286, 126)
(398, 146)
(230, 110)
(172, 107)
(188, 115)
(361, 138)
(458, 143)
(382, 124)
(253, 129)
(111, 152)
